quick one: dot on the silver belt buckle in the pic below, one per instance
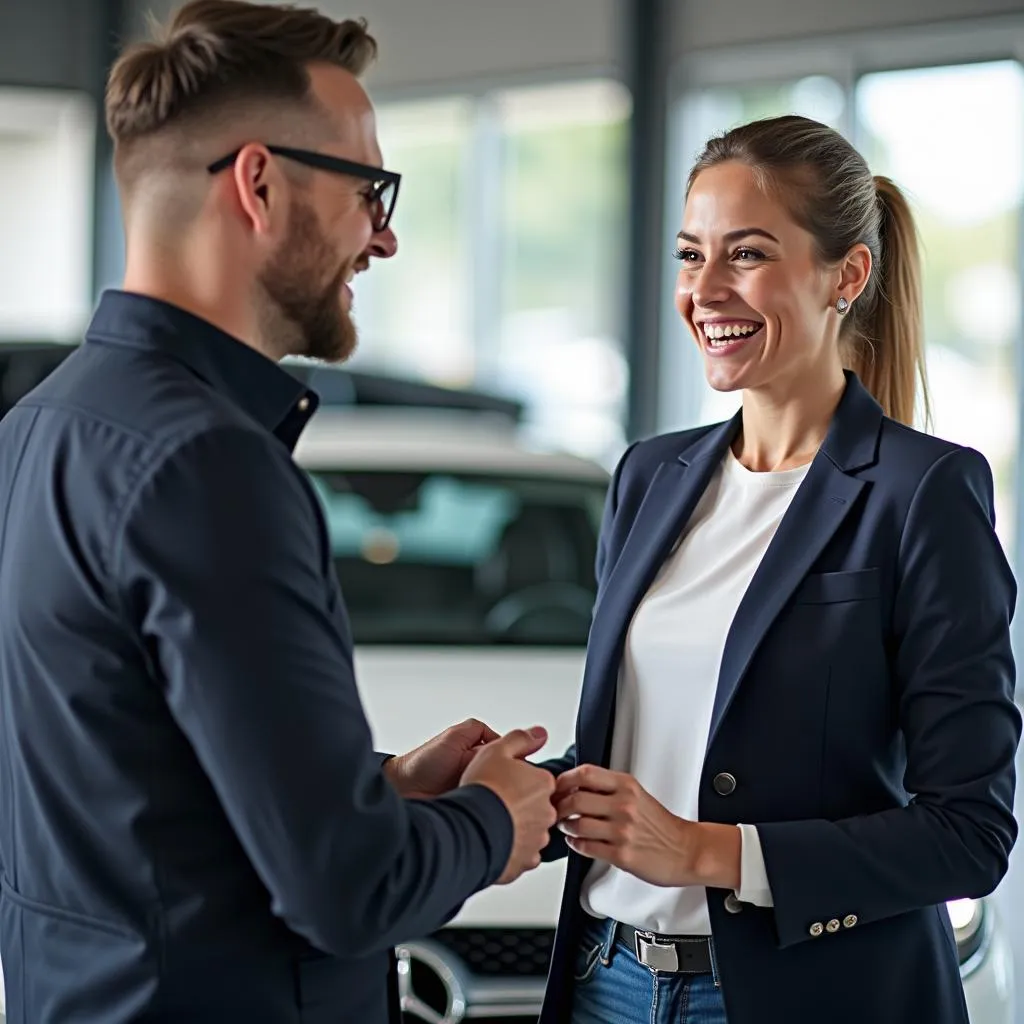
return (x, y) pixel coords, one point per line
(656, 955)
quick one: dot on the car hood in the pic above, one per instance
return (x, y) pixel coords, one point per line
(413, 693)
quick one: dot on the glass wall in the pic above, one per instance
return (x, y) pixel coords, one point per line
(411, 310)
(47, 152)
(953, 137)
(511, 227)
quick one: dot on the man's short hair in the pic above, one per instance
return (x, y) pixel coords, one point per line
(218, 56)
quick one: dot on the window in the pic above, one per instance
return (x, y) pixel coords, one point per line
(411, 310)
(922, 128)
(463, 558)
(717, 109)
(953, 138)
(563, 255)
(47, 145)
(511, 225)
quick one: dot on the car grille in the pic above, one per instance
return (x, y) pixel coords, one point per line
(490, 952)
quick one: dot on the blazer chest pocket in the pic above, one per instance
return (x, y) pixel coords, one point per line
(836, 587)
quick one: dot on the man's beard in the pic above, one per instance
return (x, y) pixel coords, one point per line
(301, 315)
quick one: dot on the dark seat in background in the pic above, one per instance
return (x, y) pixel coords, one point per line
(539, 583)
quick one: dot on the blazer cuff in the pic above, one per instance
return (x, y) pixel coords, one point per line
(754, 886)
(493, 819)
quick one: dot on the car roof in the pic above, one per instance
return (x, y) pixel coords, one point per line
(452, 440)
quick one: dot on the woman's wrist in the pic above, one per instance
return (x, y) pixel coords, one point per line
(718, 855)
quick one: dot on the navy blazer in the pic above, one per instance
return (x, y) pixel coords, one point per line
(194, 826)
(864, 705)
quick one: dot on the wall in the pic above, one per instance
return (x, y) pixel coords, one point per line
(427, 43)
(51, 43)
(699, 25)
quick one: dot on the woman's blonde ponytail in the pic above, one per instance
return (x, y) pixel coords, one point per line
(885, 343)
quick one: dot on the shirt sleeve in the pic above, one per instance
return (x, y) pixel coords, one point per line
(222, 563)
(754, 886)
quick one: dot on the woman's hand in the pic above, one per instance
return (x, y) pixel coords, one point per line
(609, 816)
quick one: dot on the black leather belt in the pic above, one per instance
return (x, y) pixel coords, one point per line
(669, 954)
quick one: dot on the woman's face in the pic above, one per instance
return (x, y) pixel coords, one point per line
(756, 299)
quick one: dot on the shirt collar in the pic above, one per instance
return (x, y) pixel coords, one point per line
(266, 392)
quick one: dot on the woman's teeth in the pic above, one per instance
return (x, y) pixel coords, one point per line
(719, 336)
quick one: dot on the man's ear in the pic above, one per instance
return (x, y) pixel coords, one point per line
(260, 188)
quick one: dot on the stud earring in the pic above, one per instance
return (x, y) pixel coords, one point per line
(842, 306)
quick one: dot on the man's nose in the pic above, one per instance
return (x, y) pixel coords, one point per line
(383, 245)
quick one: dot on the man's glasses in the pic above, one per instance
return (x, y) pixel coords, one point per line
(381, 198)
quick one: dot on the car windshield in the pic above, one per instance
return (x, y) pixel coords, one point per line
(463, 558)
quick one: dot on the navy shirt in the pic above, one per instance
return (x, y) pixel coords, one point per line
(191, 811)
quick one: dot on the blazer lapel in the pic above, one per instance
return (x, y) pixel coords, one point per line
(818, 508)
(667, 506)
(820, 505)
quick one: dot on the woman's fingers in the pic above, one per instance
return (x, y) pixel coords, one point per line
(584, 803)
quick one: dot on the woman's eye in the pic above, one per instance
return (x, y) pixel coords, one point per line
(745, 255)
(686, 255)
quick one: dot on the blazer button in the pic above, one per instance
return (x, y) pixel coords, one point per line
(850, 920)
(724, 783)
(832, 927)
(816, 929)
(733, 904)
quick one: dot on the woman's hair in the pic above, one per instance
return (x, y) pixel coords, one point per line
(215, 60)
(831, 193)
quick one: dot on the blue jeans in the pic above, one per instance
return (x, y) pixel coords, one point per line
(612, 987)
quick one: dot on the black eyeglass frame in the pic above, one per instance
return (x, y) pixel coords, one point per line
(336, 165)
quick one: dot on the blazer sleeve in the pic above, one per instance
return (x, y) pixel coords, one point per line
(221, 564)
(953, 678)
(556, 848)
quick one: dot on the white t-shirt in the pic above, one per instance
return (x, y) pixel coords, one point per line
(668, 679)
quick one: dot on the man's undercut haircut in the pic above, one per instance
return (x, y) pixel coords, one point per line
(214, 62)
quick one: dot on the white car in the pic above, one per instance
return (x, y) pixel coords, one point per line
(465, 557)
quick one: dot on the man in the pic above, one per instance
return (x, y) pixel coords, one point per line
(193, 824)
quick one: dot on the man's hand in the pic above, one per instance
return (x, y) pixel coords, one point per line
(609, 816)
(524, 789)
(436, 766)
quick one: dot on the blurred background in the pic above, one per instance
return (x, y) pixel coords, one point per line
(544, 145)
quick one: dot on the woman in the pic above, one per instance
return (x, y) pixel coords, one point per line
(797, 732)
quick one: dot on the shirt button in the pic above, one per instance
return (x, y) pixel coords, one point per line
(816, 929)
(733, 904)
(832, 927)
(303, 404)
(724, 783)
(850, 920)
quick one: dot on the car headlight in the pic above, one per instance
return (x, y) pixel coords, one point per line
(968, 920)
